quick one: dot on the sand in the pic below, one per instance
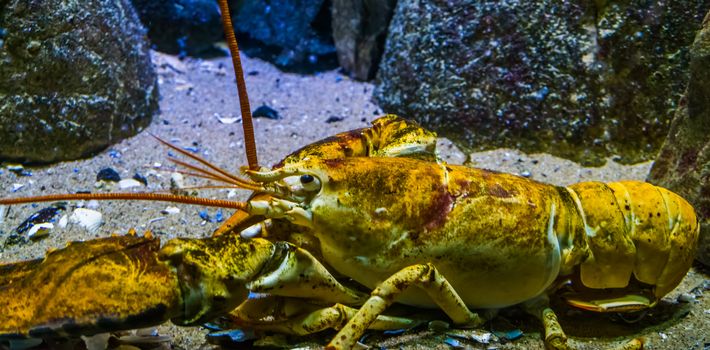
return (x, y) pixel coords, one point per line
(196, 94)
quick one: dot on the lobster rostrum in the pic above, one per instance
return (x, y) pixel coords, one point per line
(373, 205)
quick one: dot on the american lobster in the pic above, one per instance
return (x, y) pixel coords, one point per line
(376, 206)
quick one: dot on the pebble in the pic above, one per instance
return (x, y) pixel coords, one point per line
(686, 298)
(334, 119)
(128, 183)
(477, 335)
(63, 221)
(108, 174)
(96, 342)
(509, 335)
(438, 326)
(266, 112)
(171, 210)
(453, 343)
(18, 169)
(140, 178)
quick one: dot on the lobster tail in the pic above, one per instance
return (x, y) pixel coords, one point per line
(635, 227)
(664, 229)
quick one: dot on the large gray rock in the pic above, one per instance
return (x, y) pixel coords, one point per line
(583, 80)
(75, 76)
(359, 31)
(683, 164)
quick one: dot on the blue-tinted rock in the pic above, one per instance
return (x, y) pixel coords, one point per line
(181, 26)
(293, 34)
(581, 80)
(74, 78)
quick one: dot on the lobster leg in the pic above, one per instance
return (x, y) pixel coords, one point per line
(555, 337)
(424, 276)
(298, 317)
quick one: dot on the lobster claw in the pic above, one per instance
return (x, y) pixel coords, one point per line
(213, 273)
(91, 287)
(127, 282)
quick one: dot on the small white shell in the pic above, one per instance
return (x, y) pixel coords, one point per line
(128, 183)
(177, 181)
(63, 221)
(227, 120)
(40, 230)
(87, 218)
(171, 210)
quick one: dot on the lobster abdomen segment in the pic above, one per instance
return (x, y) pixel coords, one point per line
(635, 227)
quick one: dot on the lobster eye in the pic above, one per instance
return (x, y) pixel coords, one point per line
(306, 179)
(310, 183)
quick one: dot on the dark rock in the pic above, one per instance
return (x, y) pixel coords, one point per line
(181, 26)
(334, 119)
(140, 178)
(108, 174)
(296, 33)
(566, 78)
(359, 31)
(74, 78)
(266, 112)
(683, 165)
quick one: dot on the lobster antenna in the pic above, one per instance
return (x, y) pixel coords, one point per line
(161, 197)
(247, 124)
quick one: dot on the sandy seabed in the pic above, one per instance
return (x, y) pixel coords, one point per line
(198, 101)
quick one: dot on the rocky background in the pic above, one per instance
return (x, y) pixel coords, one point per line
(683, 165)
(587, 81)
(75, 77)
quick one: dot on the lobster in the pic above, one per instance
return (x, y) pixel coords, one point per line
(374, 205)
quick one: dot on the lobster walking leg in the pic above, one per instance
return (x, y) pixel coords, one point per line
(555, 337)
(424, 276)
(299, 317)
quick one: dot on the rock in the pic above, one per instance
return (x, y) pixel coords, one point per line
(108, 174)
(683, 165)
(359, 31)
(74, 78)
(566, 78)
(181, 26)
(294, 42)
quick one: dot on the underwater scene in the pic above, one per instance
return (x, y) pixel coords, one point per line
(394, 174)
